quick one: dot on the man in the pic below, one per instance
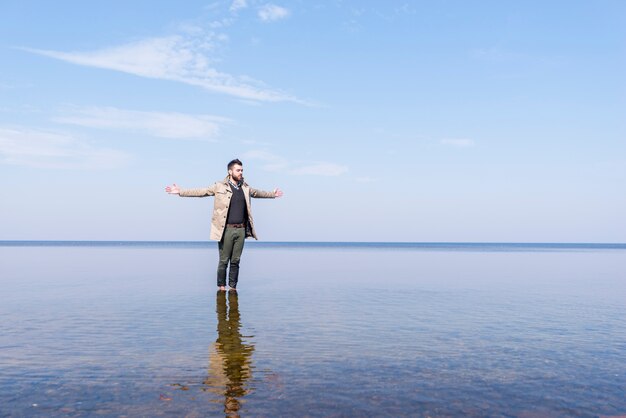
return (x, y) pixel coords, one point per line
(232, 219)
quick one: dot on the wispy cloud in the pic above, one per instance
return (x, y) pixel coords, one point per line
(321, 169)
(46, 149)
(183, 58)
(272, 12)
(273, 162)
(159, 124)
(238, 5)
(458, 142)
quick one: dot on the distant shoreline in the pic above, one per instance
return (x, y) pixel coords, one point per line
(458, 246)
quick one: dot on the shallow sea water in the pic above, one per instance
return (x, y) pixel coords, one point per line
(320, 331)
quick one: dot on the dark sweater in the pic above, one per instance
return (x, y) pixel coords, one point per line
(237, 211)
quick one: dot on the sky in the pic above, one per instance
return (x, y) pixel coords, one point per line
(405, 121)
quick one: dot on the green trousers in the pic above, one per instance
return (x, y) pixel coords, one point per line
(231, 247)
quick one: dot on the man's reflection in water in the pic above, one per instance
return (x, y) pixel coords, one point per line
(230, 358)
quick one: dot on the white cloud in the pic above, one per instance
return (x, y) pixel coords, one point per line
(177, 58)
(272, 12)
(221, 23)
(321, 169)
(238, 5)
(405, 9)
(274, 162)
(45, 149)
(458, 142)
(160, 124)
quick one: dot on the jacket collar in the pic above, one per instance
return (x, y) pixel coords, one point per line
(226, 181)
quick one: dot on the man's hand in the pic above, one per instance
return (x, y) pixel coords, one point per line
(173, 189)
(278, 193)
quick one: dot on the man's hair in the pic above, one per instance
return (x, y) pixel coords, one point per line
(234, 162)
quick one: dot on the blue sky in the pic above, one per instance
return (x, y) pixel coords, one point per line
(380, 120)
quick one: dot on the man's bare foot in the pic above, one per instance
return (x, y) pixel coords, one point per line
(222, 288)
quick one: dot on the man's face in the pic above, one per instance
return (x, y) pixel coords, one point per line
(236, 172)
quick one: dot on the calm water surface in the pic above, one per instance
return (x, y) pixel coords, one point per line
(315, 330)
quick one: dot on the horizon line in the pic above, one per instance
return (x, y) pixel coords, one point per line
(320, 243)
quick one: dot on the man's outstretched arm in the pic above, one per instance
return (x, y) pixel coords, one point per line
(201, 192)
(263, 194)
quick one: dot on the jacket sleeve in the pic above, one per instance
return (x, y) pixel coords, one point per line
(201, 192)
(261, 194)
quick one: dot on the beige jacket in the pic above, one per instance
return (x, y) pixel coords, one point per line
(222, 192)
